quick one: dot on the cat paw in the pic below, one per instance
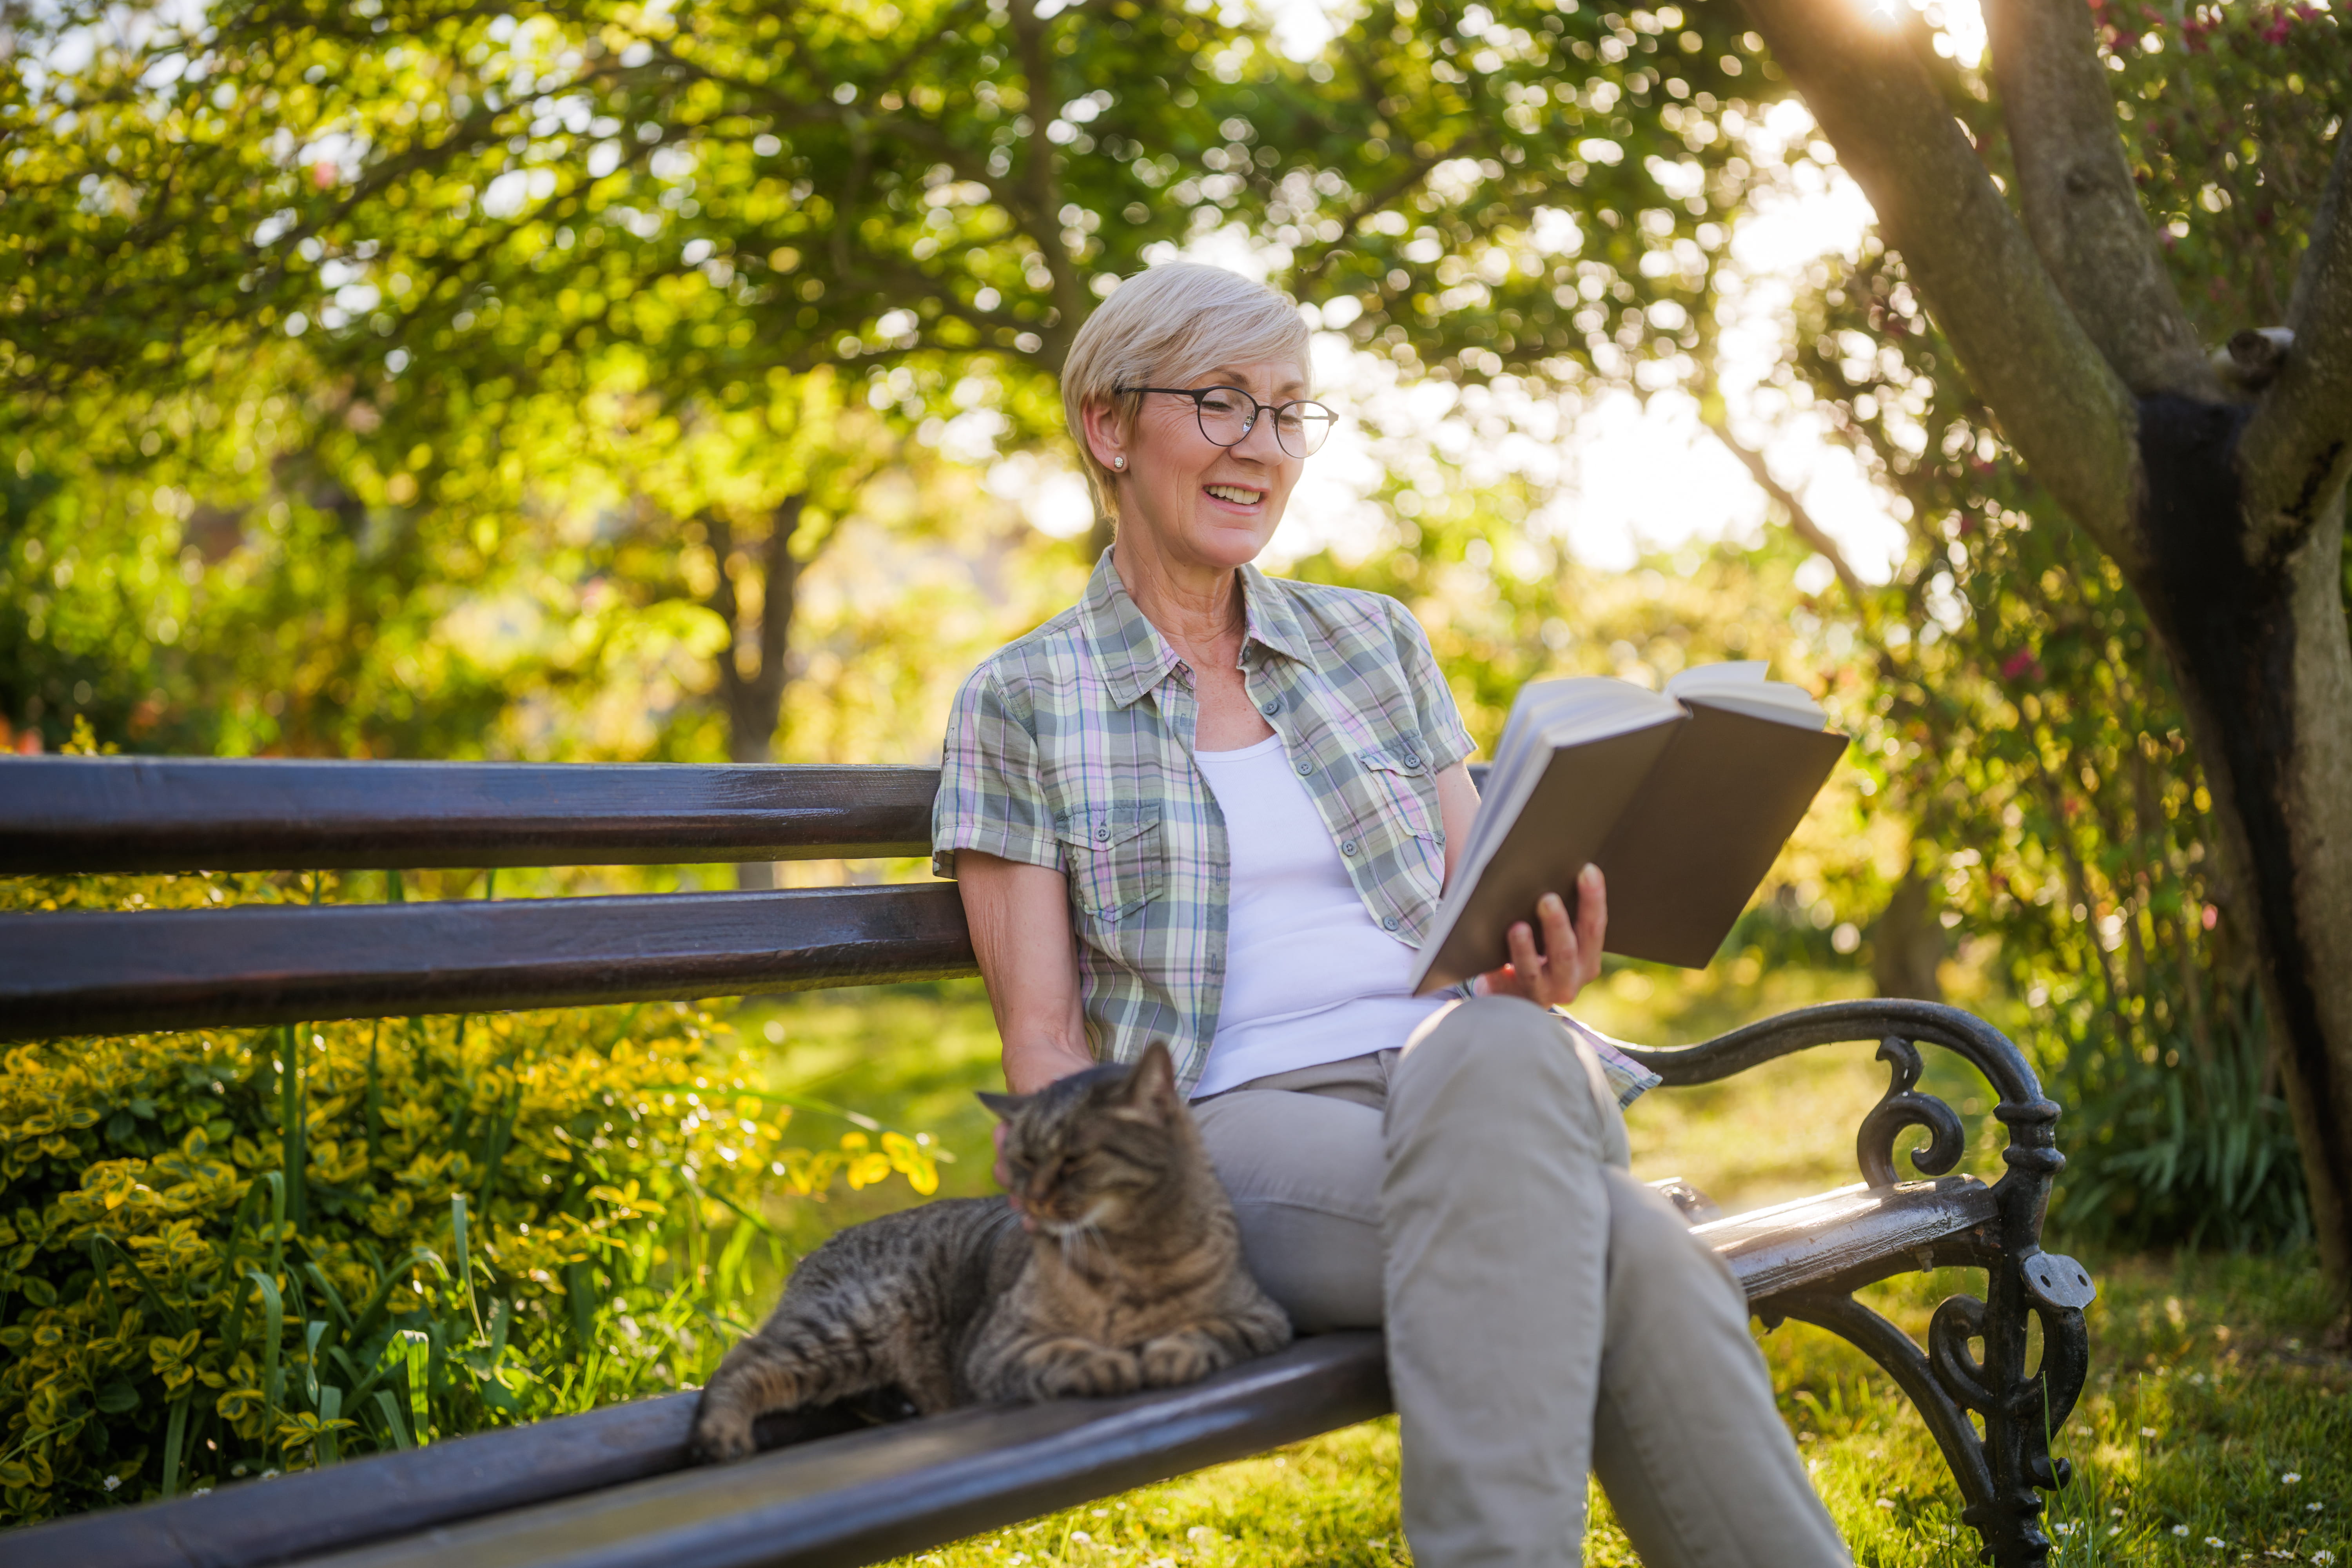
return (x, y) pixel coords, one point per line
(720, 1436)
(1174, 1360)
(1094, 1373)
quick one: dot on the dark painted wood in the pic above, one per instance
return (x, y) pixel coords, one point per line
(1048, 1454)
(85, 973)
(875, 1495)
(67, 814)
(1791, 1245)
(256, 1523)
(63, 816)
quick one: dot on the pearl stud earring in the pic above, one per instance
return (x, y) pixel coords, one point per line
(1118, 462)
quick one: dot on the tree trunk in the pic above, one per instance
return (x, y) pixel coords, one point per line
(754, 699)
(1905, 943)
(2227, 519)
(2261, 651)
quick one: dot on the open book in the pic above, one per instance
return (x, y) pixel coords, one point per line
(1682, 798)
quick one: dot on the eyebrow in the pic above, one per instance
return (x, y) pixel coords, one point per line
(1294, 387)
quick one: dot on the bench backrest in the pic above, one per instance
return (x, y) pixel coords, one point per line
(109, 973)
(93, 972)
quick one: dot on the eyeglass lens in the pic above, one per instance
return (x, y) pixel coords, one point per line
(1228, 413)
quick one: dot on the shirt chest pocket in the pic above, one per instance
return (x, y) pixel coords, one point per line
(1403, 790)
(1400, 822)
(1117, 858)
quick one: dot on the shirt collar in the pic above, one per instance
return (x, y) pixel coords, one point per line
(1272, 618)
(1135, 658)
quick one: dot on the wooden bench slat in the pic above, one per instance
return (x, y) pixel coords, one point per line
(533, 1479)
(371, 1498)
(62, 815)
(70, 815)
(1793, 1245)
(876, 1494)
(103, 973)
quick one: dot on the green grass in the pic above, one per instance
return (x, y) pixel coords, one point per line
(2208, 1384)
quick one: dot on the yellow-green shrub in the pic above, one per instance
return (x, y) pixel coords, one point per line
(227, 1253)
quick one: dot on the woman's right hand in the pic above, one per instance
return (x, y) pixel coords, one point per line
(1570, 959)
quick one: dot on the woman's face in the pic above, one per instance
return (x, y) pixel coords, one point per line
(1201, 503)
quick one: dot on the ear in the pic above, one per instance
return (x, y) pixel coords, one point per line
(1005, 1106)
(1152, 1080)
(1106, 439)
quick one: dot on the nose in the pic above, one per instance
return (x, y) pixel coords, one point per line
(1260, 444)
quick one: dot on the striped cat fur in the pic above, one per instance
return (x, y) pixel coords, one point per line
(1116, 1265)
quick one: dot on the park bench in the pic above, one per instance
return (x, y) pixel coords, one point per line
(613, 1487)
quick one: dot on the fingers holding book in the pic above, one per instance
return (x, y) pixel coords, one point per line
(1569, 957)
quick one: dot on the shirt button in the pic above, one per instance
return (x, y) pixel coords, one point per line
(1102, 834)
(1349, 847)
(1388, 922)
(1411, 760)
(1306, 766)
(1271, 706)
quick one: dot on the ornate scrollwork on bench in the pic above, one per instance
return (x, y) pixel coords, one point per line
(2002, 1471)
(1903, 1106)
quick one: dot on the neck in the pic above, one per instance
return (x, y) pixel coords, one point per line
(1196, 606)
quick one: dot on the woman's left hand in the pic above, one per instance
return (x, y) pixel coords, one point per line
(1570, 958)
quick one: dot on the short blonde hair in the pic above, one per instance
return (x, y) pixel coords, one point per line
(1163, 328)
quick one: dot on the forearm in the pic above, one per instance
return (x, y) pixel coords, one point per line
(1020, 921)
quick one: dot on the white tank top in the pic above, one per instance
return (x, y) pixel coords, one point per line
(1311, 977)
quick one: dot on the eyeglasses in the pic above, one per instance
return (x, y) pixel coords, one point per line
(1228, 415)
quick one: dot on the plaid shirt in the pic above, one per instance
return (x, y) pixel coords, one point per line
(1072, 748)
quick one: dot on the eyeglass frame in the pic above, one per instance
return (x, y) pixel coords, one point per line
(1199, 413)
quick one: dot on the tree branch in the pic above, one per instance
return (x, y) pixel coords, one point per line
(1416, 171)
(2058, 402)
(2296, 454)
(2081, 206)
(1801, 521)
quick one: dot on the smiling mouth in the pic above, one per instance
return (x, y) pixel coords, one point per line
(1239, 495)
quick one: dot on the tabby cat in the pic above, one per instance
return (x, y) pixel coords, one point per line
(1116, 1266)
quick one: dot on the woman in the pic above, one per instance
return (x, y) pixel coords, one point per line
(1218, 809)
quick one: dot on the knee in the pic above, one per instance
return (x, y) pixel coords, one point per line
(1494, 1034)
(1492, 1060)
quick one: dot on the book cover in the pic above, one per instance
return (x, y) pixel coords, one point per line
(1684, 815)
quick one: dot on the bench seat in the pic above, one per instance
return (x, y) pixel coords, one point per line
(611, 1488)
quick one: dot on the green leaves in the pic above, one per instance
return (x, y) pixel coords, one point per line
(192, 1318)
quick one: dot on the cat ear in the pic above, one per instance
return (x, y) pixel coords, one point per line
(1152, 1080)
(1005, 1106)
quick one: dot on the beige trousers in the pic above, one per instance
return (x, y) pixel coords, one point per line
(1547, 1314)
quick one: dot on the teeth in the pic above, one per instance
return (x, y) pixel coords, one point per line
(1236, 494)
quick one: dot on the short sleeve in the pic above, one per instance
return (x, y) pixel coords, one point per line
(990, 796)
(1442, 736)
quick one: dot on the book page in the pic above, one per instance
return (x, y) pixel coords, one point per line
(1742, 688)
